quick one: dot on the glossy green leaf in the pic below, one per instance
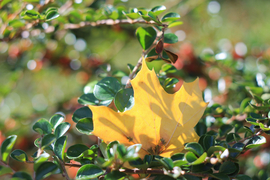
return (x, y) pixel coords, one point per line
(170, 38)
(30, 14)
(213, 149)
(5, 170)
(107, 88)
(85, 126)
(231, 137)
(242, 177)
(56, 119)
(81, 113)
(61, 129)
(256, 141)
(45, 170)
(21, 176)
(220, 176)
(252, 121)
(170, 83)
(42, 126)
(7, 146)
(179, 159)
(194, 147)
(190, 157)
(47, 140)
(170, 17)
(224, 129)
(132, 151)
(227, 167)
(124, 99)
(168, 68)
(133, 15)
(200, 128)
(257, 116)
(40, 160)
(89, 171)
(208, 141)
(167, 163)
(174, 24)
(146, 36)
(158, 10)
(200, 160)
(76, 151)
(60, 146)
(19, 155)
(114, 175)
(51, 15)
(154, 17)
(16, 23)
(110, 149)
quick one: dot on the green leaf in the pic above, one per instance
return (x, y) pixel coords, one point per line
(61, 129)
(167, 163)
(30, 14)
(45, 170)
(85, 126)
(42, 126)
(40, 160)
(89, 171)
(107, 88)
(47, 140)
(60, 146)
(7, 146)
(256, 141)
(158, 9)
(146, 36)
(175, 23)
(56, 120)
(51, 15)
(244, 104)
(21, 176)
(132, 151)
(170, 82)
(168, 68)
(190, 157)
(121, 151)
(110, 149)
(16, 23)
(4, 2)
(124, 99)
(90, 99)
(194, 147)
(170, 17)
(76, 151)
(242, 177)
(227, 167)
(133, 15)
(252, 121)
(114, 175)
(257, 116)
(208, 141)
(154, 17)
(5, 170)
(81, 113)
(220, 176)
(170, 38)
(179, 159)
(200, 160)
(19, 155)
(232, 137)
(213, 149)
(224, 129)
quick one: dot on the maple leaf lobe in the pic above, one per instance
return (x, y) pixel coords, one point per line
(161, 122)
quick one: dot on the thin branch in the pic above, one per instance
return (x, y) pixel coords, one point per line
(64, 174)
(109, 22)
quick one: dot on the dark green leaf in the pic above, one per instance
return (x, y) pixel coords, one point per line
(21, 176)
(224, 129)
(190, 157)
(208, 141)
(81, 113)
(158, 9)
(146, 36)
(168, 68)
(220, 176)
(19, 155)
(252, 121)
(256, 141)
(114, 175)
(194, 147)
(56, 120)
(7, 146)
(242, 177)
(41, 159)
(85, 126)
(42, 126)
(30, 14)
(47, 140)
(200, 128)
(45, 170)
(167, 163)
(213, 149)
(111, 150)
(88, 99)
(154, 17)
(170, 38)
(232, 137)
(124, 99)
(170, 17)
(227, 167)
(52, 15)
(76, 151)
(107, 88)
(257, 116)
(61, 129)
(89, 171)
(170, 82)
(60, 146)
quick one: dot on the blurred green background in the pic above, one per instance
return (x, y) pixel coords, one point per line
(44, 73)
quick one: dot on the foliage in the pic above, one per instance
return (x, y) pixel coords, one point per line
(226, 132)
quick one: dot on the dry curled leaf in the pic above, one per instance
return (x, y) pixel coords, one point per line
(161, 122)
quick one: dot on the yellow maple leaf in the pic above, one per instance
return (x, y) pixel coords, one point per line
(161, 122)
